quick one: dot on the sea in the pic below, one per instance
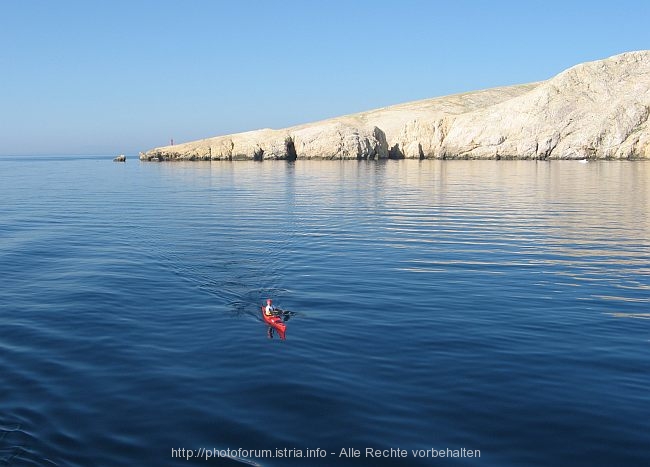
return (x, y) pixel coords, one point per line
(461, 313)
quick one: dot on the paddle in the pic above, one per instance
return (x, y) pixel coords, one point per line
(286, 314)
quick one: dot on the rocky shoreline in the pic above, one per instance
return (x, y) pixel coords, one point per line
(595, 110)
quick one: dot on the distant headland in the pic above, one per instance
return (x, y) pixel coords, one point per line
(595, 110)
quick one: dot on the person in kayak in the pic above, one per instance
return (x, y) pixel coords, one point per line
(270, 309)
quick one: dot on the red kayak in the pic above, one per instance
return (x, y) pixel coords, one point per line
(275, 322)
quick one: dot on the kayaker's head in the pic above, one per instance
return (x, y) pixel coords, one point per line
(269, 301)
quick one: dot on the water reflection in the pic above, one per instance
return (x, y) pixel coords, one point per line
(588, 223)
(570, 224)
(456, 293)
(630, 315)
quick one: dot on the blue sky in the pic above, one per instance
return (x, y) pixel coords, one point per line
(108, 77)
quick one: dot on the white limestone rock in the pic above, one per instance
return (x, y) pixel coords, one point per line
(594, 110)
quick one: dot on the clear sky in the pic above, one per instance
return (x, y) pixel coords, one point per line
(108, 77)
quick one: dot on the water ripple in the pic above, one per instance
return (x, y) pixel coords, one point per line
(472, 304)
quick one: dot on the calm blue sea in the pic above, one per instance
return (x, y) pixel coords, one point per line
(497, 306)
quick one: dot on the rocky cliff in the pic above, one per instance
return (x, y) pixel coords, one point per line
(595, 110)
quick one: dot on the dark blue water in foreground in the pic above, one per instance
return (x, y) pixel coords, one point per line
(492, 306)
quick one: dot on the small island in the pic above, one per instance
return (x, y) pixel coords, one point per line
(595, 110)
